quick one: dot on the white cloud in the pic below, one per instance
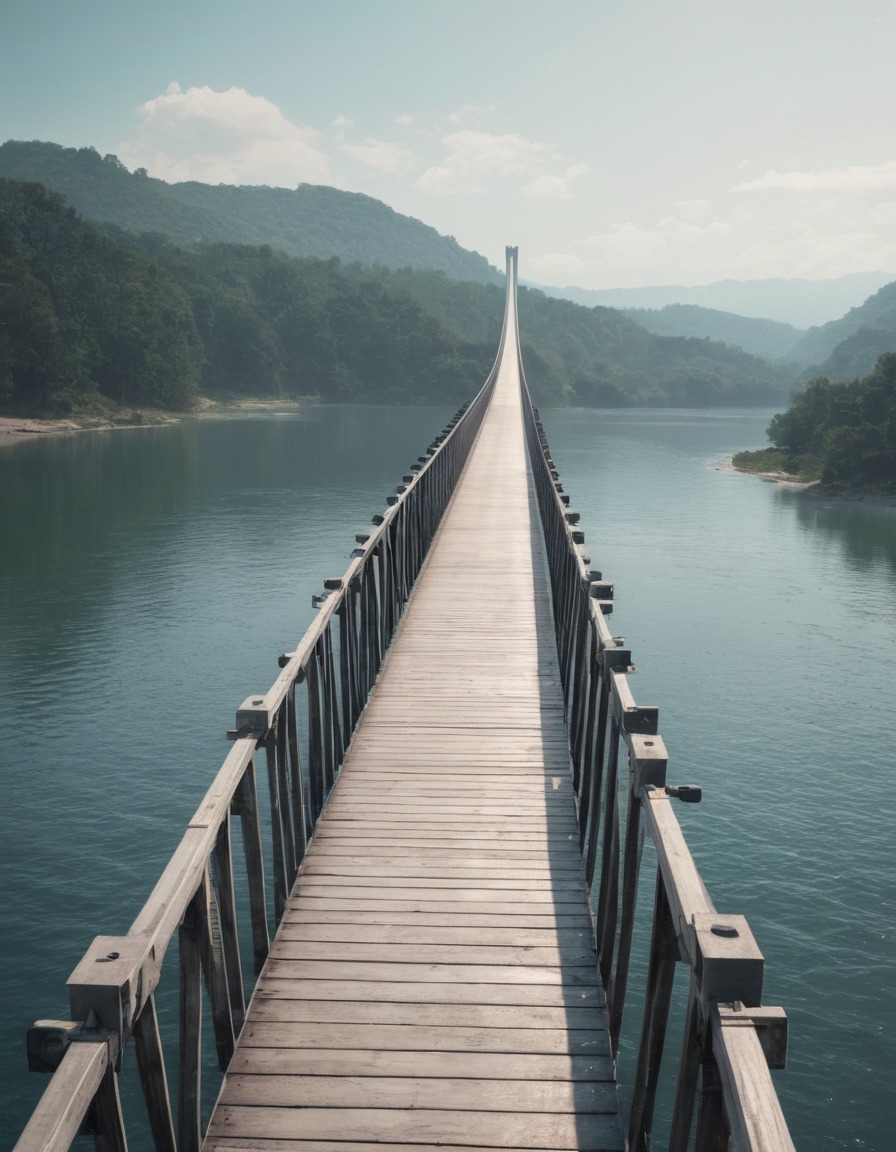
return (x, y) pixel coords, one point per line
(476, 158)
(383, 155)
(223, 137)
(629, 245)
(470, 114)
(557, 265)
(857, 178)
(342, 121)
(405, 119)
(556, 186)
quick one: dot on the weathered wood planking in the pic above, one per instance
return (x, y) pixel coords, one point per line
(433, 980)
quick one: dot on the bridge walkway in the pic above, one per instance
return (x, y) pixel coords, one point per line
(433, 980)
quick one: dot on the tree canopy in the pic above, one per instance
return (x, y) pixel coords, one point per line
(848, 428)
(843, 434)
(97, 315)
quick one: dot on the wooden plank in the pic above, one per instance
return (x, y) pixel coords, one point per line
(483, 952)
(571, 919)
(418, 1092)
(433, 979)
(350, 971)
(567, 941)
(433, 901)
(425, 1126)
(530, 1067)
(221, 1144)
(483, 887)
(282, 982)
(420, 1013)
(414, 870)
(403, 1038)
(752, 1105)
(55, 1121)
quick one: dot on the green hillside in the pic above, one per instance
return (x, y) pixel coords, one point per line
(96, 314)
(767, 338)
(306, 221)
(843, 434)
(849, 347)
(90, 322)
(598, 357)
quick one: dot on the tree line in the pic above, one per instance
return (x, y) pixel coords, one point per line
(92, 315)
(843, 434)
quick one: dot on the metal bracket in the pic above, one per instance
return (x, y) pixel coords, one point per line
(686, 793)
(255, 717)
(617, 660)
(47, 1041)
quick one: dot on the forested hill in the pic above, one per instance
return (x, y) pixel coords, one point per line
(310, 220)
(597, 357)
(843, 434)
(849, 347)
(768, 338)
(95, 316)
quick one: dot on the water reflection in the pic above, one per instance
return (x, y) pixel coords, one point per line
(866, 531)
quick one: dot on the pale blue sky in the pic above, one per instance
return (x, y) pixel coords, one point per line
(618, 142)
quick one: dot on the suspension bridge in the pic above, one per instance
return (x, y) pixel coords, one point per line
(439, 919)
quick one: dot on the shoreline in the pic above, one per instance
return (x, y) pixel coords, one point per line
(813, 488)
(19, 429)
(22, 429)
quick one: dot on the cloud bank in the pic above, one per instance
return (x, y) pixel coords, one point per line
(229, 137)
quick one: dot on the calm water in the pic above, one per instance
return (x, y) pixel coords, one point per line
(149, 579)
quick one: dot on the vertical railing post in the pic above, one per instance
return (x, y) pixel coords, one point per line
(189, 1125)
(296, 783)
(230, 944)
(246, 804)
(110, 1134)
(153, 1079)
(278, 833)
(657, 1002)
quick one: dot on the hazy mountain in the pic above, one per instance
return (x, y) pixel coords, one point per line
(310, 220)
(767, 338)
(847, 348)
(98, 316)
(798, 302)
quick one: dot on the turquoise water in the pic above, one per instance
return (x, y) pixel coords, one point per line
(150, 578)
(763, 624)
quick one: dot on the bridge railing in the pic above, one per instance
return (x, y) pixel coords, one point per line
(304, 740)
(730, 1040)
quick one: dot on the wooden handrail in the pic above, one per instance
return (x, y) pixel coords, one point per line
(112, 988)
(730, 1040)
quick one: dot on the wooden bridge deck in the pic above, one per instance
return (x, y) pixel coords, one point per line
(433, 980)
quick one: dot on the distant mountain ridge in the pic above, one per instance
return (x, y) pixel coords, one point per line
(767, 338)
(311, 220)
(802, 303)
(848, 348)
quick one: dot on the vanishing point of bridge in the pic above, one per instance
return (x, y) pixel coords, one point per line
(459, 785)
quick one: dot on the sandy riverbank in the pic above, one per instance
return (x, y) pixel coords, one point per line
(21, 429)
(810, 487)
(16, 429)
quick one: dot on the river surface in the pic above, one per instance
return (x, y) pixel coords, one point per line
(150, 578)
